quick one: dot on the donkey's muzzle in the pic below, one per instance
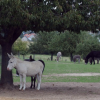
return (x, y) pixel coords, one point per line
(8, 69)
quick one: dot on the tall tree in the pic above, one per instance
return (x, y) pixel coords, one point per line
(14, 18)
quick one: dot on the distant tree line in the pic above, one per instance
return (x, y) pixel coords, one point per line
(67, 42)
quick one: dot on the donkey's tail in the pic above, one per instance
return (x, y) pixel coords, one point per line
(43, 64)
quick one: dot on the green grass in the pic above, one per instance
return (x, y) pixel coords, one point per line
(72, 79)
(66, 67)
(53, 67)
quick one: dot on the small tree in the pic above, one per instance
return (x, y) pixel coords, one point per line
(20, 47)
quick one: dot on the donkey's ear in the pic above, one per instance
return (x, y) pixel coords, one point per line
(9, 55)
(12, 56)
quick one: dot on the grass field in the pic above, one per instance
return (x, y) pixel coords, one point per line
(62, 67)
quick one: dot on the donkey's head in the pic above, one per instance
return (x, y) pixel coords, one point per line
(11, 62)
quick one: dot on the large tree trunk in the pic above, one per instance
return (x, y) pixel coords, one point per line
(71, 57)
(6, 76)
(51, 56)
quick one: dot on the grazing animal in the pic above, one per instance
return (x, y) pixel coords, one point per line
(26, 68)
(76, 57)
(59, 54)
(90, 59)
(92, 55)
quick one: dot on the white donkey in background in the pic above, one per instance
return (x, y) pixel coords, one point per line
(58, 56)
(26, 68)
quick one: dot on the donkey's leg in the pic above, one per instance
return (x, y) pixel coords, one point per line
(34, 81)
(78, 60)
(31, 81)
(38, 81)
(24, 81)
(20, 82)
(93, 60)
(57, 59)
(74, 60)
(97, 60)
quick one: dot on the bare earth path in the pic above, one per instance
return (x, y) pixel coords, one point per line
(54, 91)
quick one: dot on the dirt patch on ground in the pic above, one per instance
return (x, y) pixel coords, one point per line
(74, 74)
(54, 91)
